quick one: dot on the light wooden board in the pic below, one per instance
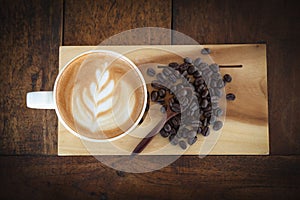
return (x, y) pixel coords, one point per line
(245, 130)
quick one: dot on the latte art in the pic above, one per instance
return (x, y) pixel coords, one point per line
(100, 106)
(107, 97)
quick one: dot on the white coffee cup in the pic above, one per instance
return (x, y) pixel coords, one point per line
(49, 99)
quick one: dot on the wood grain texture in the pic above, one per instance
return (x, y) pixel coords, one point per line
(278, 25)
(246, 124)
(30, 38)
(90, 22)
(28, 27)
(213, 177)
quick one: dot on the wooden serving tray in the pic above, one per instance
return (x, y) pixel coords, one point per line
(245, 130)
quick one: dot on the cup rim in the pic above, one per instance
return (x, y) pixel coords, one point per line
(118, 55)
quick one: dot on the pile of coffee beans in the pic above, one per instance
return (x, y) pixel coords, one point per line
(191, 89)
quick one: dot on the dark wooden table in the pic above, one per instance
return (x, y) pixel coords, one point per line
(30, 35)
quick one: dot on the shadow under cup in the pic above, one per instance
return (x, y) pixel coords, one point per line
(100, 96)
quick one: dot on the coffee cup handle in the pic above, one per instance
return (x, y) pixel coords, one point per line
(40, 100)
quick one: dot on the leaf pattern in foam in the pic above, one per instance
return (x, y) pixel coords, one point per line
(94, 101)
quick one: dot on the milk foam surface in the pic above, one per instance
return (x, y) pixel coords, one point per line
(107, 97)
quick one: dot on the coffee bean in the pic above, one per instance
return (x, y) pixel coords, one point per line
(151, 72)
(173, 140)
(207, 121)
(162, 78)
(197, 94)
(162, 93)
(184, 101)
(154, 96)
(183, 67)
(230, 97)
(179, 86)
(205, 131)
(217, 125)
(211, 92)
(214, 105)
(220, 83)
(191, 70)
(181, 93)
(199, 81)
(218, 112)
(215, 76)
(174, 65)
(167, 127)
(218, 92)
(227, 78)
(175, 122)
(182, 144)
(197, 62)
(212, 119)
(175, 107)
(197, 74)
(186, 97)
(173, 131)
(192, 134)
(188, 60)
(203, 66)
(208, 108)
(199, 89)
(157, 85)
(213, 83)
(204, 103)
(178, 118)
(214, 99)
(173, 89)
(163, 109)
(199, 130)
(184, 74)
(196, 123)
(205, 93)
(163, 133)
(214, 67)
(190, 113)
(207, 114)
(190, 90)
(185, 134)
(191, 141)
(205, 51)
(207, 72)
(179, 134)
(173, 100)
(181, 131)
(172, 78)
(166, 71)
(207, 80)
(177, 74)
(194, 106)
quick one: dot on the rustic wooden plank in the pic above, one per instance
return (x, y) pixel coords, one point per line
(277, 24)
(90, 22)
(246, 124)
(213, 177)
(30, 38)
